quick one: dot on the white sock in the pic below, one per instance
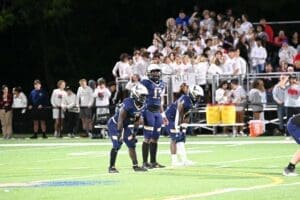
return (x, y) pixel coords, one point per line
(174, 158)
(181, 151)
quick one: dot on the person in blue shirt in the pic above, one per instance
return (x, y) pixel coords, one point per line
(182, 19)
(118, 126)
(153, 115)
(38, 102)
(293, 127)
(177, 114)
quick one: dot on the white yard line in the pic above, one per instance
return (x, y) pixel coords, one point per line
(233, 142)
(31, 148)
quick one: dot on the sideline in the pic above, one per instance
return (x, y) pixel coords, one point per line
(234, 142)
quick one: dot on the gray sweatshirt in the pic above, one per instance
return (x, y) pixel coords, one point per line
(85, 97)
(255, 100)
(278, 93)
(239, 98)
(292, 96)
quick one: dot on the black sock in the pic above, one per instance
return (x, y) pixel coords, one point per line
(145, 151)
(291, 166)
(113, 157)
(153, 150)
(134, 163)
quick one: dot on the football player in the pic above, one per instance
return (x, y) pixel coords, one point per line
(293, 126)
(177, 114)
(118, 126)
(153, 115)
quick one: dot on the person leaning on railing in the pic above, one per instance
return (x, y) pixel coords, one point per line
(257, 98)
(238, 96)
(72, 113)
(278, 96)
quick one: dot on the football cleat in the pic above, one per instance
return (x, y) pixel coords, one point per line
(34, 136)
(177, 164)
(112, 170)
(147, 165)
(157, 165)
(139, 169)
(288, 172)
(188, 163)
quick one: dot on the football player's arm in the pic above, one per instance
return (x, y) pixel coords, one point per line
(165, 119)
(138, 121)
(179, 118)
(122, 117)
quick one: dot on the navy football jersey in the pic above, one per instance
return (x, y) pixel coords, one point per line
(185, 100)
(133, 112)
(155, 91)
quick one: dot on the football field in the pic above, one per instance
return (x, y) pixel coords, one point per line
(225, 168)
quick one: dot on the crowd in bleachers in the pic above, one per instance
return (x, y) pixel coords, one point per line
(204, 44)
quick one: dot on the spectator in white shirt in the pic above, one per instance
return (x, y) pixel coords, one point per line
(71, 113)
(19, 109)
(258, 57)
(134, 80)
(287, 53)
(140, 66)
(154, 47)
(223, 94)
(237, 28)
(102, 95)
(207, 23)
(178, 65)
(198, 46)
(124, 72)
(216, 67)
(229, 65)
(241, 64)
(246, 25)
(57, 99)
(85, 100)
(167, 49)
(238, 96)
(122, 68)
(200, 69)
(167, 66)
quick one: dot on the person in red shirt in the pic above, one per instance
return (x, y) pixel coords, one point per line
(6, 100)
(268, 29)
(297, 62)
(280, 39)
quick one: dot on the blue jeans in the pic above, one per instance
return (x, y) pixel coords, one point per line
(280, 115)
(260, 68)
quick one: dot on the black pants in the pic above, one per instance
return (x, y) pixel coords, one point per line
(18, 120)
(290, 111)
(72, 122)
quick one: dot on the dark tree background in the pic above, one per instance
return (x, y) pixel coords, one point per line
(65, 39)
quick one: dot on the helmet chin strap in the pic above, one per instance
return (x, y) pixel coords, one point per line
(137, 103)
